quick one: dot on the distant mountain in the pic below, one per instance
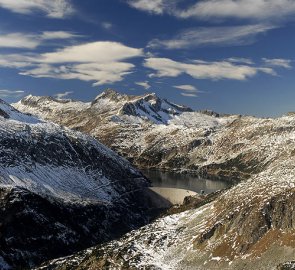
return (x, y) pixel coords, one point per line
(60, 191)
(149, 131)
(110, 103)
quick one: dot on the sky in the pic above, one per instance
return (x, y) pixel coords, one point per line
(230, 56)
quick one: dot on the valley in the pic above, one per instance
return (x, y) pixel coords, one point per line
(147, 135)
(246, 225)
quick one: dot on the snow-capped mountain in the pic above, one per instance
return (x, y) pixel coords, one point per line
(109, 104)
(149, 131)
(247, 227)
(60, 191)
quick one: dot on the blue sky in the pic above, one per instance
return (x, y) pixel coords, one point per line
(231, 56)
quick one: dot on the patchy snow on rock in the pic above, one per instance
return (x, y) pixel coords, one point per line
(64, 176)
(250, 223)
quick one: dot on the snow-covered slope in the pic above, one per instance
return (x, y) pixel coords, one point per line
(60, 190)
(43, 157)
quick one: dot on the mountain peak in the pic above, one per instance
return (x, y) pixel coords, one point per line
(111, 95)
(111, 103)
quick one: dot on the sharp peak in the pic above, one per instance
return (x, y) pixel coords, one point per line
(111, 93)
(118, 96)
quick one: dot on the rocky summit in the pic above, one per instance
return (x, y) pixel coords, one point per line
(61, 191)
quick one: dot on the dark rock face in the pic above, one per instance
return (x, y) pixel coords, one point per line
(287, 266)
(4, 114)
(35, 229)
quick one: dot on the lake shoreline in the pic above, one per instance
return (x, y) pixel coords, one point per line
(176, 180)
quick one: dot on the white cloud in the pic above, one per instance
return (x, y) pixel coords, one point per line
(100, 73)
(241, 60)
(165, 67)
(63, 95)
(189, 90)
(152, 6)
(186, 87)
(219, 9)
(189, 95)
(47, 35)
(93, 52)
(107, 25)
(278, 62)
(15, 60)
(31, 41)
(145, 84)
(243, 9)
(52, 8)
(11, 93)
(99, 62)
(213, 36)
(18, 40)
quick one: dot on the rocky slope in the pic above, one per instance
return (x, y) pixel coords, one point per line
(60, 191)
(250, 226)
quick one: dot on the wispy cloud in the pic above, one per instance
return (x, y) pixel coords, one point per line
(213, 36)
(145, 84)
(165, 67)
(18, 40)
(32, 41)
(48, 35)
(240, 60)
(186, 87)
(53, 8)
(4, 93)
(262, 10)
(242, 9)
(107, 25)
(189, 90)
(101, 62)
(93, 52)
(189, 94)
(278, 62)
(63, 95)
(152, 6)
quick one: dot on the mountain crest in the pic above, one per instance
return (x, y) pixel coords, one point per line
(112, 95)
(110, 103)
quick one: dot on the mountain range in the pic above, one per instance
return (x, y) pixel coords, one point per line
(250, 226)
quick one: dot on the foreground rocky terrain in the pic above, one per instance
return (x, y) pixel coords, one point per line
(250, 226)
(60, 191)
